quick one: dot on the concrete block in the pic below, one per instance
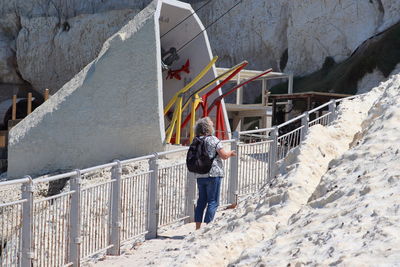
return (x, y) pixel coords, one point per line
(113, 108)
(109, 110)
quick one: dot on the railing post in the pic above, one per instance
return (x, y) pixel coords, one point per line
(272, 157)
(152, 198)
(304, 123)
(27, 223)
(14, 108)
(75, 220)
(332, 110)
(46, 94)
(115, 237)
(29, 104)
(234, 171)
(190, 197)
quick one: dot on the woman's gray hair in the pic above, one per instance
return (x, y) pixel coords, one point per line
(204, 127)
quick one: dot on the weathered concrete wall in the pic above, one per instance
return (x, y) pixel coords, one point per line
(104, 112)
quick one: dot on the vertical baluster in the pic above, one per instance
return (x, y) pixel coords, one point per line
(131, 205)
(137, 203)
(75, 220)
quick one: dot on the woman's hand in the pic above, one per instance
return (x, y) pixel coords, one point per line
(226, 154)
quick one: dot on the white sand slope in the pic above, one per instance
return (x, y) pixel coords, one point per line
(335, 202)
(352, 218)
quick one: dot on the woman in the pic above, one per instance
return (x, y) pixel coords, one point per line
(209, 184)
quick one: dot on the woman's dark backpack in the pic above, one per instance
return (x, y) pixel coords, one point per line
(197, 158)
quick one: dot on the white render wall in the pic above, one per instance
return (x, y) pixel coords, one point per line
(175, 33)
(111, 109)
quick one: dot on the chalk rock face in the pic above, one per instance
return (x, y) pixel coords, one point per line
(103, 113)
(253, 30)
(310, 30)
(8, 29)
(290, 36)
(391, 13)
(318, 29)
(46, 42)
(50, 53)
(373, 79)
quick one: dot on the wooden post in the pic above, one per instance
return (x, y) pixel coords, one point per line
(264, 93)
(14, 107)
(29, 108)
(308, 103)
(46, 94)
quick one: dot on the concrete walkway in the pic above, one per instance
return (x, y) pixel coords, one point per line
(158, 252)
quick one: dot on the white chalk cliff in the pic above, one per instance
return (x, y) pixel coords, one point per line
(310, 30)
(46, 42)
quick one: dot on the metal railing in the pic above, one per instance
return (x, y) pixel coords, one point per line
(67, 218)
(10, 223)
(253, 166)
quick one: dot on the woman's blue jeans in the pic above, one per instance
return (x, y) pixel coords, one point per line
(209, 189)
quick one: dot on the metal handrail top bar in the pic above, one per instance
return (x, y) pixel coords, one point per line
(99, 184)
(227, 141)
(54, 178)
(291, 120)
(13, 203)
(257, 143)
(256, 131)
(133, 175)
(95, 168)
(15, 181)
(248, 73)
(172, 165)
(257, 135)
(173, 151)
(319, 118)
(55, 196)
(126, 161)
(319, 107)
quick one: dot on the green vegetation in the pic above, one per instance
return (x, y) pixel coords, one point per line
(380, 52)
